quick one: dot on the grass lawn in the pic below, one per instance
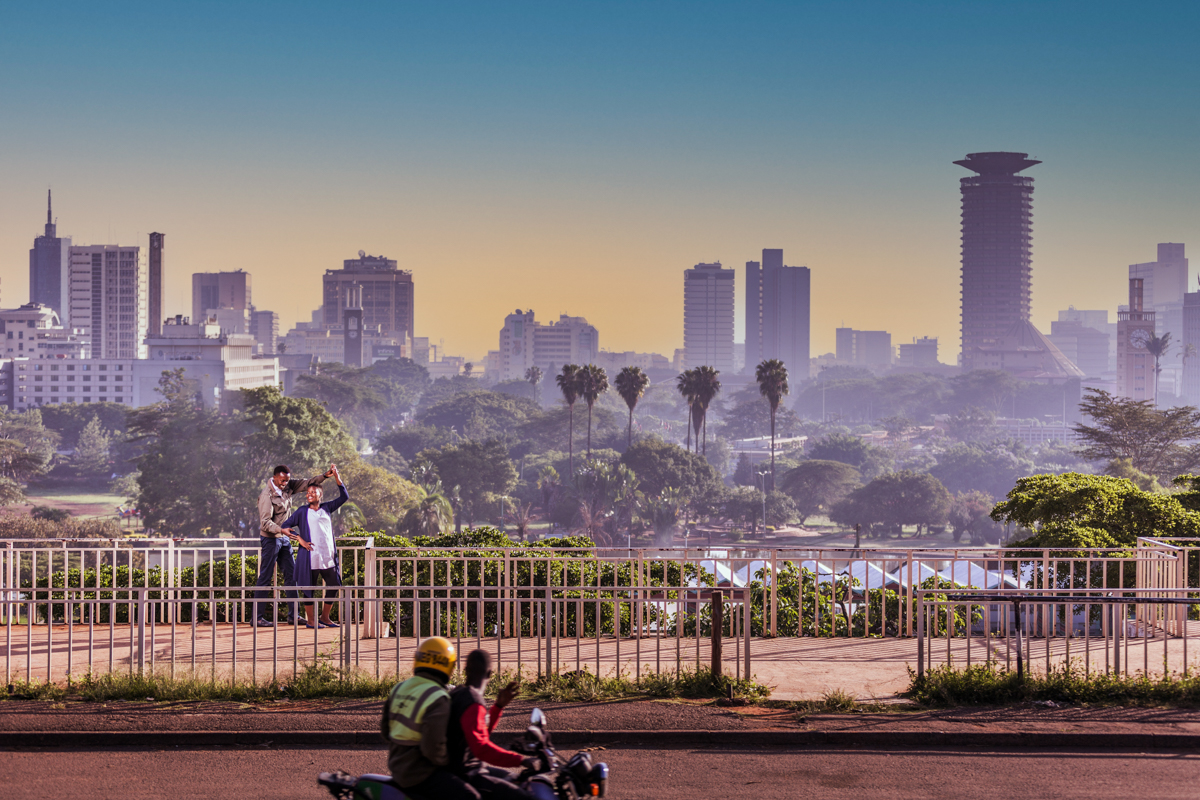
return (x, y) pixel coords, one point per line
(81, 502)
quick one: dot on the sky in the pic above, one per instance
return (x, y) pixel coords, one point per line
(578, 157)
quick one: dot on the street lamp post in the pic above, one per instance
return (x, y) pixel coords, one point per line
(762, 474)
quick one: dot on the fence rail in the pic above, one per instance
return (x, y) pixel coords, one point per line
(1087, 628)
(193, 595)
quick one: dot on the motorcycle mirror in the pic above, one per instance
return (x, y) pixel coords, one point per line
(536, 717)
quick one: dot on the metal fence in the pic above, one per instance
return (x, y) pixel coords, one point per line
(1143, 630)
(529, 603)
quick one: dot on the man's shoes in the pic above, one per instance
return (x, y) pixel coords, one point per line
(264, 623)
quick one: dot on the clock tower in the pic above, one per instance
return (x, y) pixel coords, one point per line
(1135, 365)
(352, 328)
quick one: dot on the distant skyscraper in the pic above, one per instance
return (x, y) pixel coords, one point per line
(264, 327)
(156, 283)
(387, 294)
(778, 299)
(866, 348)
(1135, 365)
(109, 297)
(1164, 283)
(525, 342)
(49, 263)
(212, 290)
(997, 226)
(1191, 335)
(708, 317)
(352, 325)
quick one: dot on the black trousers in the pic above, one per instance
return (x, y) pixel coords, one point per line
(442, 785)
(495, 784)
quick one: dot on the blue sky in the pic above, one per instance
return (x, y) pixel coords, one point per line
(576, 157)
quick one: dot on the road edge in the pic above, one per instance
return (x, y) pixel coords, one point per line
(669, 738)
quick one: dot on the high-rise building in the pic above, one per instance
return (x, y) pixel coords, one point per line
(1135, 365)
(264, 327)
(387, 294)
(708, 317)
(212, 290)
(49, 264)
(1164, 283)
(920, 353)
(1086, 347)
(525, 342)
(997, 227)
(865, 348)
(778, 300)
(156, 283)
(1191, 336)
(109, 299)
(352, 325)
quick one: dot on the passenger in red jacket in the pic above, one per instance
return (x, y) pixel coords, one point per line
(468, 735)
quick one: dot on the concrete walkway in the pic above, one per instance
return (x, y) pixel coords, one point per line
(795, 668)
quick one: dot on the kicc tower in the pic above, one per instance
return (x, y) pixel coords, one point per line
(997, 235)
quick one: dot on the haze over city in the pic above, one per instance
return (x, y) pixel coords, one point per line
(577, 159)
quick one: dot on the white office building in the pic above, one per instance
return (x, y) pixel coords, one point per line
(708, 317)
(110, 299)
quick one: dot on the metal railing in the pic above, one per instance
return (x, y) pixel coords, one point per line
(54, 633)
(1092, 628)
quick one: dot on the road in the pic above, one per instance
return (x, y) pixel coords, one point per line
(269, 773)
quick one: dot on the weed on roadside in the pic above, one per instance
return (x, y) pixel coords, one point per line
(991, 685)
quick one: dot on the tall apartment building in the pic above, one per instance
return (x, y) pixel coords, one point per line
(865, 348)
(708, 317)
(387, 294)
(264, 327)
(1165, 282)
(1135, 365)
(919, 353)
(997, 228)
(525, 342)
(213, 290)
(156, 283)
(109, 298)
(49, 264)
(1191, 335)
(778, 300)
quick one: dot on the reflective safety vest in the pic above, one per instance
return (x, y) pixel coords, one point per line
(406, 707)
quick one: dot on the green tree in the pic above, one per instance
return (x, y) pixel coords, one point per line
(631, 384)
(661, 511)
(772, 378)
(533, 376)
(402, 371)
(430, 515)
(10, 492)
(988, 388)
(993, 469)
(38, 441)
(69, 419)
(382, 498)
(894, 500)
(593, 382)
(408, 440)
(18, 462)
(743, 504)
(353, 395)
(568, 384)
(972, 424)
(1156, 441)
(480, 414)
(970, 516)
(1158, 346)
(660, 465)
(1056, 505)
(685, 383)
(707, 387)
(815, 485)
(743, 473)
(92, 449)
(480, 470)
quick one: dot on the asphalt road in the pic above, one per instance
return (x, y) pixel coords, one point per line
(268, 773)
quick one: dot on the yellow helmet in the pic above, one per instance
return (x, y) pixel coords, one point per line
(436, 653)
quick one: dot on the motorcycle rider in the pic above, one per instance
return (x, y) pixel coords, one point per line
(414, 722)
(468, 741)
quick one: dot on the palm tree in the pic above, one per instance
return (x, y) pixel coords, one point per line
(432, 513)
(522, 518)
(534, 376)
(631, 384)
(707, 387)
(772, 379)
(568, 384)
(593, 382)
(1158, 346)
(686, 384)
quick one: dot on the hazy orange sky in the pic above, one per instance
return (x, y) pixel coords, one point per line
(577, 160)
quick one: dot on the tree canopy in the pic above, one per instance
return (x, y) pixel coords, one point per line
(1159, 442)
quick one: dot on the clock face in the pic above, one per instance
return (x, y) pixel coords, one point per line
(1139, 338)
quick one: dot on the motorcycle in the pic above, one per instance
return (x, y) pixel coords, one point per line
(553, 779)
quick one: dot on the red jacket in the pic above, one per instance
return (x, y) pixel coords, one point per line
(477, 725)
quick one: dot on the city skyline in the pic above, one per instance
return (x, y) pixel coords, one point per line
(852, 176)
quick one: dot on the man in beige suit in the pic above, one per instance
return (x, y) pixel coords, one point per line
(275, 544)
